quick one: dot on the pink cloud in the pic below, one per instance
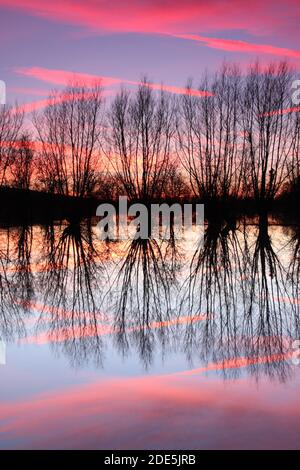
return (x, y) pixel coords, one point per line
(167, 15)
(174, 18)
(34, 106)
(234, 45)
(64, 77)
(281, 112)
(177, 90)
(29, 91)
(55, 99)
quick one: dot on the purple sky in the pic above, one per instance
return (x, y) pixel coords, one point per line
(169, 41)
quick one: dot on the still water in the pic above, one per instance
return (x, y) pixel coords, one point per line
(152, 344)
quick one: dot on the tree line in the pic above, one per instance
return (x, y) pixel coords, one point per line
(240, 140)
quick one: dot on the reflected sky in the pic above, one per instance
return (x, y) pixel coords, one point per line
(150, 343)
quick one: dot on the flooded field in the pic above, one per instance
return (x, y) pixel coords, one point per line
(151, 344)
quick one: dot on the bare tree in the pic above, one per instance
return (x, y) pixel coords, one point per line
(209, 136)
(139, 143)
(69, 130)
(267, 129)
(176, 184)
(293, 165)
(11, 121)
(21, 166)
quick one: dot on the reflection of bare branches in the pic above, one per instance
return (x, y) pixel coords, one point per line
(294, 276)
(11, 323)
(143, 299)
(23, 277)
(70, 285)
(240, 290)
(214, 265)
(15, 285)
(71, 271)
(214, 287)
(236, 310)
(265, 288)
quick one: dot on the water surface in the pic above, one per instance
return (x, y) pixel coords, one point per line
(181, 344)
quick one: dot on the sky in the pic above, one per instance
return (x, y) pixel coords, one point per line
(44, 44)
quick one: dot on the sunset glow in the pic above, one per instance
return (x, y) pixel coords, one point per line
(149, 231)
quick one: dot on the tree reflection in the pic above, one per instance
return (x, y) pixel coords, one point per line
(71, 289)
(294, 277)
(141, 294)
(266, 318)
(16, 281)
(231, 302)
(213, 287)
(238, 280)
(23, 278)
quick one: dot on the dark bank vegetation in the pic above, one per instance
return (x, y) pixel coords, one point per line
(238, 146)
